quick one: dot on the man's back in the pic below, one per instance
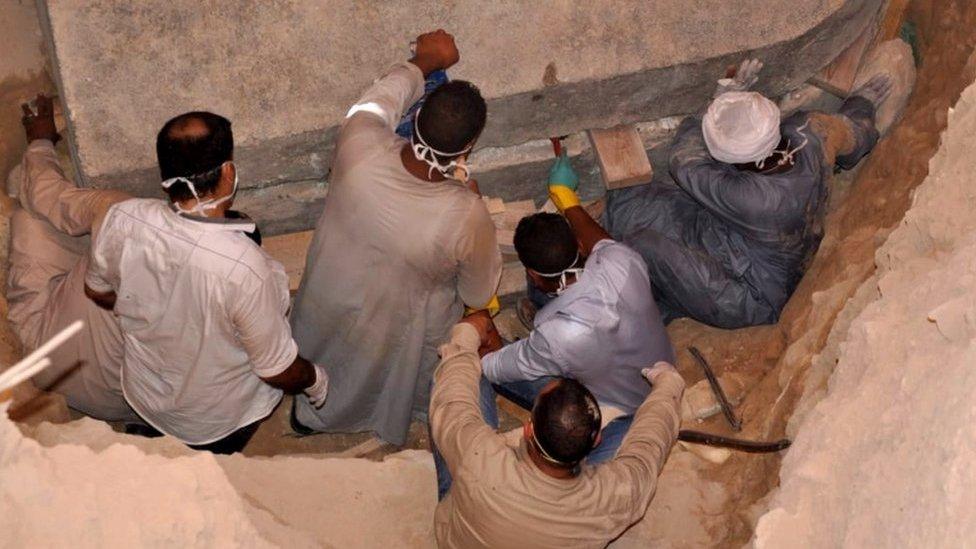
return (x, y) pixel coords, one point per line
(500, 498)
(393, 261)
(190, 292)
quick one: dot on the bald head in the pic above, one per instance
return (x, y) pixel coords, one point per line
(194, 145)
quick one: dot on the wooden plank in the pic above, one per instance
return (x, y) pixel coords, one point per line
(515, 211)
(838, 77)
(622, 158)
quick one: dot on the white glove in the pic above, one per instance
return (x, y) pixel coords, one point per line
(745, 78)
(319, 390)
(656, 371)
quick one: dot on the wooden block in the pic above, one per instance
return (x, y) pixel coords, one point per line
(494, 205)
(622, 158)
(505, 240)
(838, 77)
(515, 211)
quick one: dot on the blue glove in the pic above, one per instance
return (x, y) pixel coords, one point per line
(562, 173)
(563, 182)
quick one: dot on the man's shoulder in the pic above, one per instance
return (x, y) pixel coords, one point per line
(608, 252)
(247, 261)
(138, 208)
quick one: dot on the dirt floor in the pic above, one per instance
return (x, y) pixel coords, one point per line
(701, 502)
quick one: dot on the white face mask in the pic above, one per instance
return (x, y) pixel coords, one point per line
(455, 169)
(202, 206)
(564, 275)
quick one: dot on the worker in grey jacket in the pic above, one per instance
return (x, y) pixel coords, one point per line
(728, 240)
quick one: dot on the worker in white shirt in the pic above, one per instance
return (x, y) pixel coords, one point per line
(202, 308)
(49, 228)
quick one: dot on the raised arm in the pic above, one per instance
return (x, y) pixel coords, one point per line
(380, 109)
(563, 183)
(45, 190)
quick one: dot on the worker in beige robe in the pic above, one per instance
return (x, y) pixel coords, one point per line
(49, 242)
(535, 490)
(400, 248)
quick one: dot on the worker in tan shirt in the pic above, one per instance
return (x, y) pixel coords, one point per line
(534, 492)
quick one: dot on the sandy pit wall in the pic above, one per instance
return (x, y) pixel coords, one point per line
(286, 71)
(884, 457)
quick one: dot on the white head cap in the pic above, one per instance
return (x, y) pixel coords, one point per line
(741, 127)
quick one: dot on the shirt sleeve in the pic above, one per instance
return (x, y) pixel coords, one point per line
(479, 260)
(262, 327)
(374, 117)
(533, 357)
(721, 188)
(645, 448)
(104, 257)
(456, 422)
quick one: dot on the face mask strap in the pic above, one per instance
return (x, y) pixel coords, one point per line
(789, 154)
(427, 154)
(201, 207)
(563, 274)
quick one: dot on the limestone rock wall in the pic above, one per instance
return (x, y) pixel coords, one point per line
(286, 71)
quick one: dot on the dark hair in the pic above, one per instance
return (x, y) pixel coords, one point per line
(566, 421)
(452, 116)
(183, 150)
(545, 243)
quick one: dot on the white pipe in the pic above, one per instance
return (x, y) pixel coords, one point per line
(9, 381)
(37, 357)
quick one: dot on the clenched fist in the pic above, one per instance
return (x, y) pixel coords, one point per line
(435, 51)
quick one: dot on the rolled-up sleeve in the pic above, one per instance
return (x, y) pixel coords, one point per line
(105, 254)
(262, 327)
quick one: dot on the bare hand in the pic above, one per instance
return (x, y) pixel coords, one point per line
(741, 79)
(435, 51)
(40, 125)
(491, 340)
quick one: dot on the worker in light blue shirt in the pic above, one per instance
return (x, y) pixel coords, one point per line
(601, 328)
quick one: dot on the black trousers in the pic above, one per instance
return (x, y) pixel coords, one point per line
(230, 444)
